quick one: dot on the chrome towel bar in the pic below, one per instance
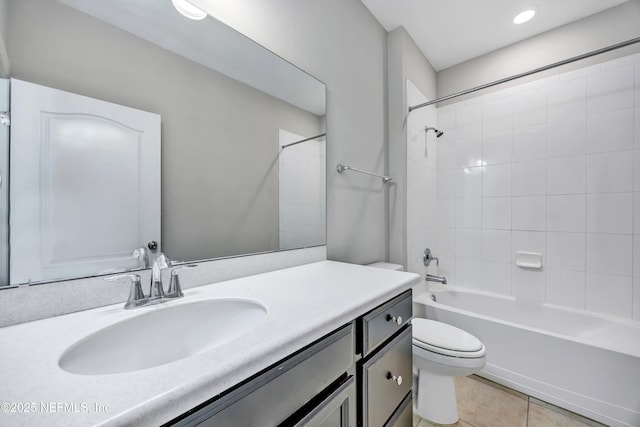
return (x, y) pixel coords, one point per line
(342, 168)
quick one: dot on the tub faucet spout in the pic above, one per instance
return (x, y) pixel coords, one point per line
(433, 278)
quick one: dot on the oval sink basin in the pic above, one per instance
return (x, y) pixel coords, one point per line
(164, 335)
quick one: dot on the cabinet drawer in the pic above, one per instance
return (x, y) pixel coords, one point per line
(272, 396)
(403, 417)
(381, 323)
(386, 379)
(335, 410)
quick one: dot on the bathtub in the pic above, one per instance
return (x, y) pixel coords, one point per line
(588, 364)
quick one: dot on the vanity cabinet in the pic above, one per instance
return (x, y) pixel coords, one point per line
(314, 386)
(385, 371)
(360, 374)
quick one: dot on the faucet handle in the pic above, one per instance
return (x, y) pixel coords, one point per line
(427, 258)
(175, 290)
(135, 293)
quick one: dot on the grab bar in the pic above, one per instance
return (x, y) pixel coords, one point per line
(342, 168)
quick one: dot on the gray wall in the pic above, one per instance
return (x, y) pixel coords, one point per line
(405, 61)
(219, 136)
(606, 28)
(341, 43)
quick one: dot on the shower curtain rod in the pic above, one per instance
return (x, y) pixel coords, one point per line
(528, 73)
(304, 140)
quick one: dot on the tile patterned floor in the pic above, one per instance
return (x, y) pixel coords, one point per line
(482, 403)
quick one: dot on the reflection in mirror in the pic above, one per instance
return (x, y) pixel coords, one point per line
(225, 110)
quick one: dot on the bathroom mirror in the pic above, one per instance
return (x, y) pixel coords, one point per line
(227, 107)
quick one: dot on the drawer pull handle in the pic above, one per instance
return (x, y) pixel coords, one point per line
(397, 380)
(395, 319)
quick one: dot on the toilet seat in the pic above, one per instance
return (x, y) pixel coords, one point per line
(445, 339)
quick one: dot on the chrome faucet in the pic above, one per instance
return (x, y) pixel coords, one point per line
(439, 279)
(137, 298)
(142, 256)
(427, 257)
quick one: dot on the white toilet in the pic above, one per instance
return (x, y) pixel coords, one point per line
(440, 353)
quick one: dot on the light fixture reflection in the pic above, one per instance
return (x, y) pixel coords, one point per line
(188, 10)
(523, 17)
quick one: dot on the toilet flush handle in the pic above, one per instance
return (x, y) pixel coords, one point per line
(396, 319)
(395, 379)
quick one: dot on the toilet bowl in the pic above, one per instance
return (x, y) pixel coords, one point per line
(440, 353)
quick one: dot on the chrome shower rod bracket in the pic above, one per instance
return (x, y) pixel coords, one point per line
(342, 168)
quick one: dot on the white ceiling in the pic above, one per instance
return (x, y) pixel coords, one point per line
(453, 31)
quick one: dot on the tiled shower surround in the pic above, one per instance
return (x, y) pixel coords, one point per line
(551, 166)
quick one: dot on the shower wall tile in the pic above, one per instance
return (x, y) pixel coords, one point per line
(498, 115)
(610, 213)
(496, 213)
(566, 288)
(469, 273)
(469, 120)
(566, 213)
(469, 151)
(528, 213)
(552, 166)
(446, 181)
(469, 213)
(566, 175)
(609, 294)
(447, 241)
(567, 100)
(636, 298)
(636, 256)
(528, 285)
(447, 213)
(566, 251)
(610, 172)
(567, 138)
(447, 268)
(636, 170)
(496, 246)
(446, 154)
(528, 179)
(496, 277)
(469, 182)
(496, 147)
(610, 90)
(469, 243)
(529, 143)
(530, 108)
(636, 213)
(610, 254)
(610, 131)
(496, 180)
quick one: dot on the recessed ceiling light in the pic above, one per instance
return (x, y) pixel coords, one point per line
(189, 10)
(523, 17)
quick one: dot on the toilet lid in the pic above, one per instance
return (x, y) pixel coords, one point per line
(444, 336)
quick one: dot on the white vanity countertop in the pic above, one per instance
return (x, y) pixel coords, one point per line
(304, 303)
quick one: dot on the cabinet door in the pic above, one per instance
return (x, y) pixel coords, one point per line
(386, 380)
(336, 410)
